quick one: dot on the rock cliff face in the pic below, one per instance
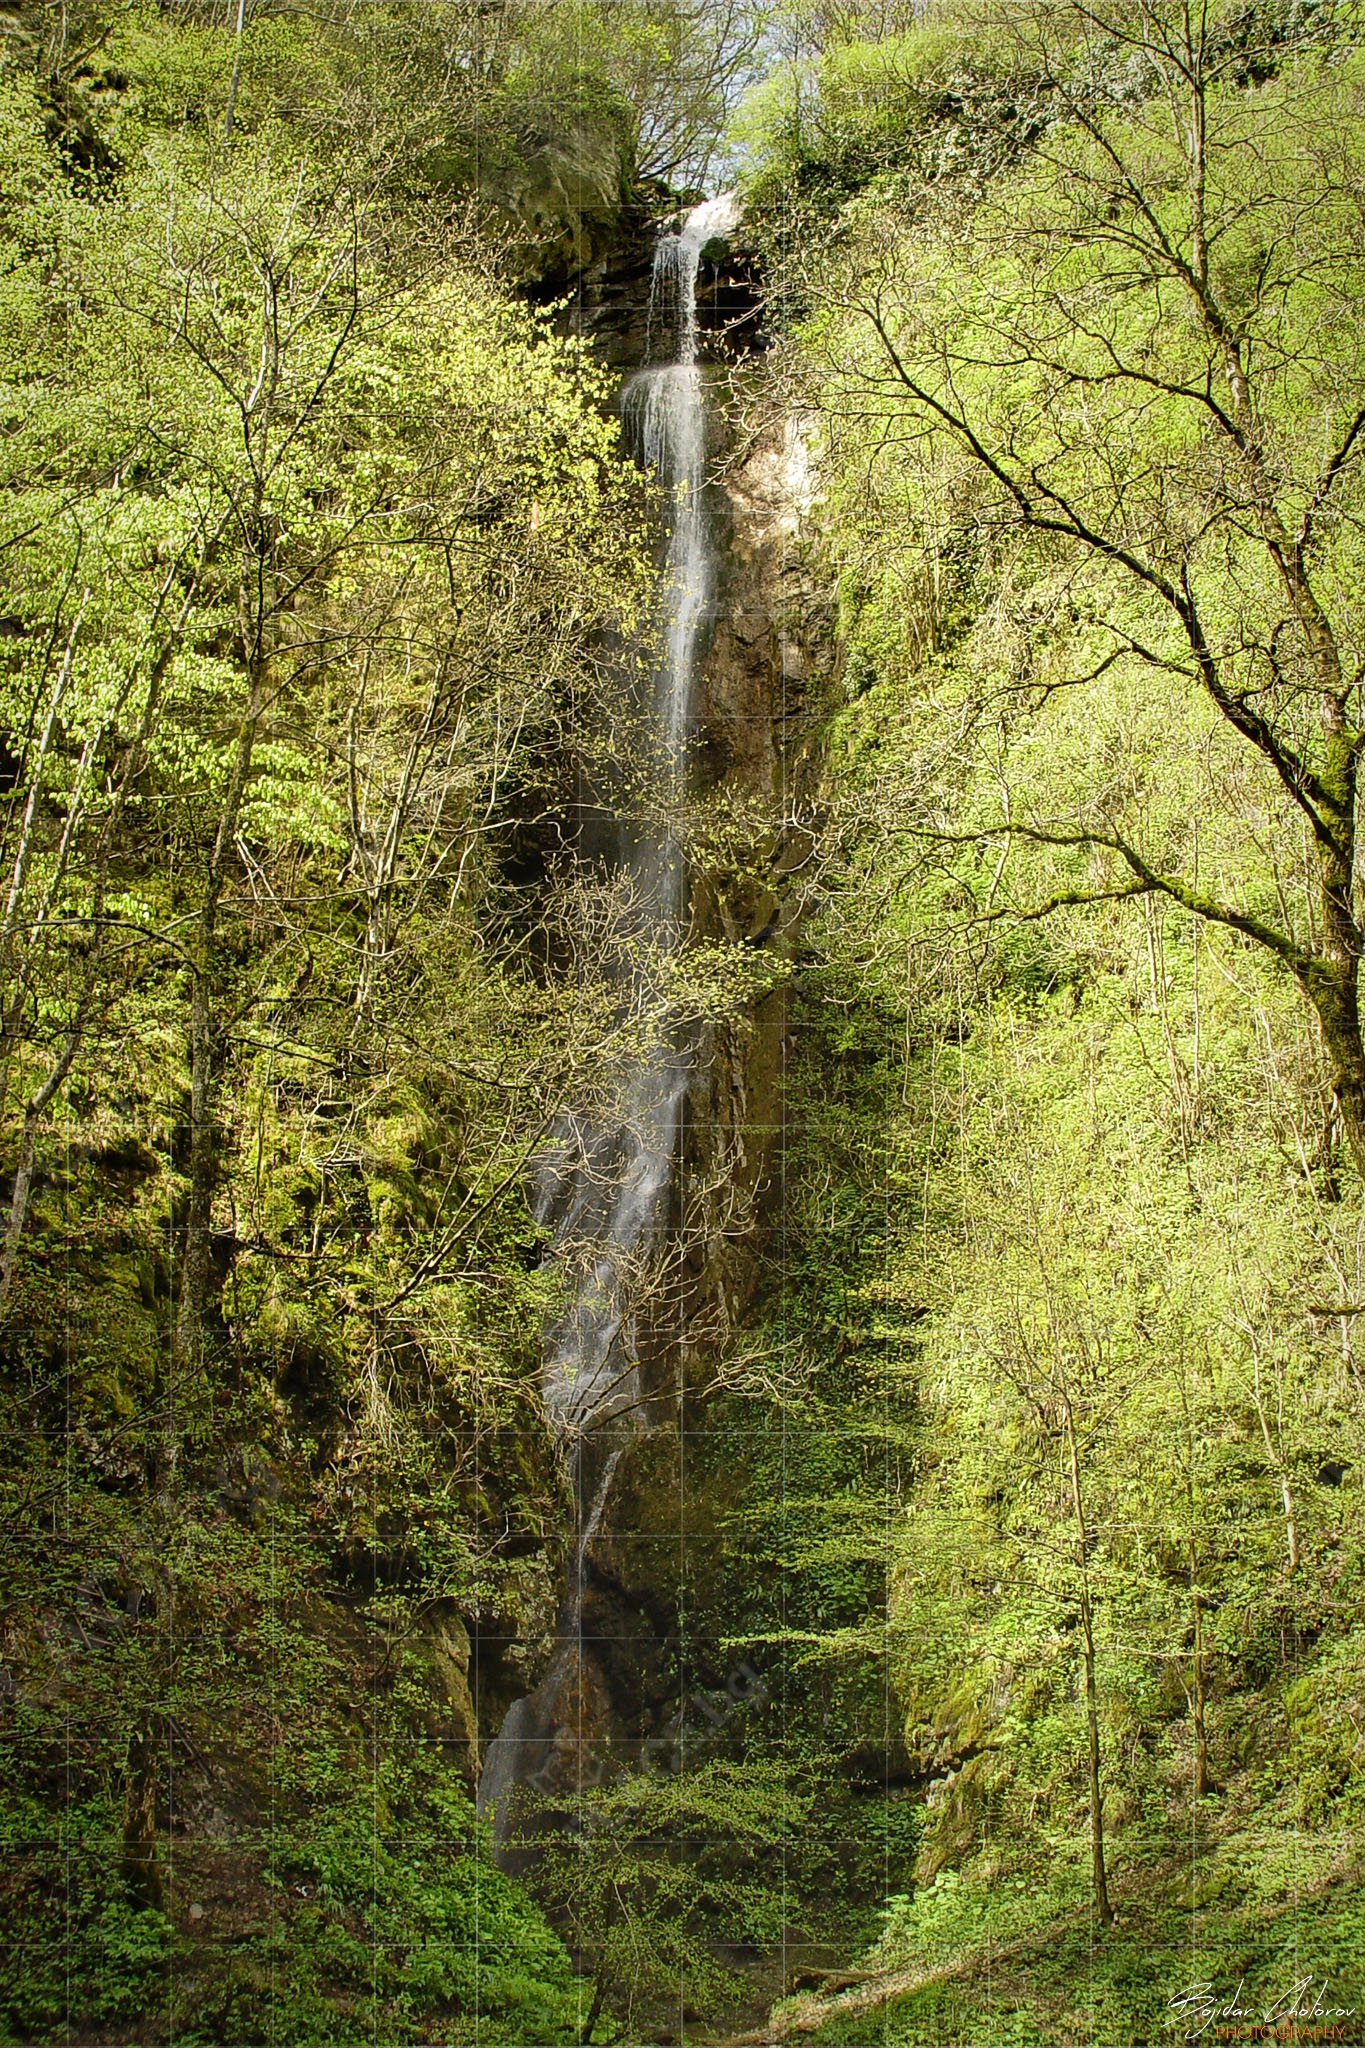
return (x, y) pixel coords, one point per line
(771, 654)
(584, 237)
(590, 251)
(566, 202)
(654, 1567)
(657, 1563)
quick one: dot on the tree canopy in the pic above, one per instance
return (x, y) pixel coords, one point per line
(978, 1585)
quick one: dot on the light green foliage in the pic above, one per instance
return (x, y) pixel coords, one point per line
(369, 1903)
(329, 524)
(1039, 1462)
(1116, 1209)
(658, 1866)
(313, 539)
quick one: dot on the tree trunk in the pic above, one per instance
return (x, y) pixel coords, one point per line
(206, 1038)
(599, 1992)
(1201, 1740)
(1332, 986)
(23, 1176)
(1099, 1875)
(141, 1869)
(1291, 1527)
(203, 1161)
(236, 74)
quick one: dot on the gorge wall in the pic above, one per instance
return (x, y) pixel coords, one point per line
(635, 1647)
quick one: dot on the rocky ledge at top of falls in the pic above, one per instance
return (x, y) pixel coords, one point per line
(584, 241)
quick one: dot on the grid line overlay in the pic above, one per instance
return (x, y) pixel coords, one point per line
(778, 1237)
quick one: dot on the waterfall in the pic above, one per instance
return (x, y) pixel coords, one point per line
(604, 1191)
(607, 1206)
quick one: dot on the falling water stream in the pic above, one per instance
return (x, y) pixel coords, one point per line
(604, 1191)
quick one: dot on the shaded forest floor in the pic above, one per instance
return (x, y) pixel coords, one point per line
(1249, 1925)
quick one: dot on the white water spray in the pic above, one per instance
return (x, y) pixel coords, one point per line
(606, 1192)
(609, 1210)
